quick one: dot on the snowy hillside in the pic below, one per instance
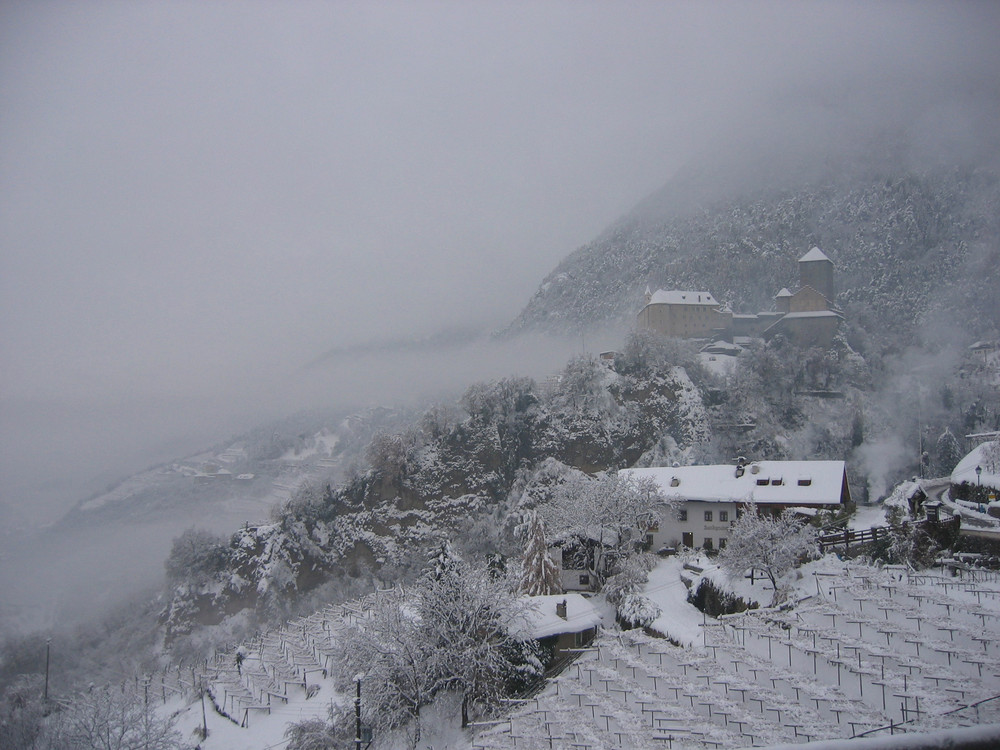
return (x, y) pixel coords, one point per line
(910, 248)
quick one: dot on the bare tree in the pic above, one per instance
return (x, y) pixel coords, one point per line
(613, 510)
(114, 718)
(773, 544)
(21, 714)
(399, 668)
(450, 632)
(466, 615)
(311, 734)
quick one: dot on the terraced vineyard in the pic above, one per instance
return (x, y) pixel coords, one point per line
(871, 651)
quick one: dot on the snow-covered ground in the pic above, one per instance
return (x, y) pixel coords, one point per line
(866, 517)
(680, 621)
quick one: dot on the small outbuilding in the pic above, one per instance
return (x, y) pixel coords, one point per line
(561, 621)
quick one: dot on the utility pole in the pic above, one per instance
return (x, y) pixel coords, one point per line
(357, 716)
(204, 719)
(45, 696)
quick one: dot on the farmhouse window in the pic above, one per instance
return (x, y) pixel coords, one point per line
(723, 515)
(708, 515)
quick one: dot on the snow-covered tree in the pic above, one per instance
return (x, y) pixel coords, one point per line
(21, 714)
(196, 555)
(947, 452)
(114, 718)
(991, 457)
(311, 734)
(465, 616)
(638, 611)
(613, 511)
(399, 668)
(773, 544)
(582, 386)
(907, 542)
(630, 573)
(539, 573)
(443, 561)
(449, 632)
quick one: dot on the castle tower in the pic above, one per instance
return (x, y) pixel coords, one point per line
(816, 271)
(782, 300)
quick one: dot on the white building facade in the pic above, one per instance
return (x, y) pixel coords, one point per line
(709, 499)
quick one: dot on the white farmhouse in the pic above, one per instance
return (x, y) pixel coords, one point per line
(711, 498)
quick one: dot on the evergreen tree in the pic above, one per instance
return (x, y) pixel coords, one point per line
(948, 453)
(539, 573)
(444, 561)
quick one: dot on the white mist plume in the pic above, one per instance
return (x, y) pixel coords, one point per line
(880, 460)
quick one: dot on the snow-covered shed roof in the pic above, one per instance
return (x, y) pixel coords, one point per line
(722, 347)
(767, 482)
(783, 293)
(814, 254)
(673, 297)
(983, 346)
(541, 621)
(978, 456)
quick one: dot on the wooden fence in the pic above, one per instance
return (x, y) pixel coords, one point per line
(844, 539)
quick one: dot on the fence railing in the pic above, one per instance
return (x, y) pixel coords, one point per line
(844, 539)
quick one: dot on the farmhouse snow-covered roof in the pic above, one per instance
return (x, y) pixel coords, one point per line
(541, 621)
(778, 482)
(664, 297)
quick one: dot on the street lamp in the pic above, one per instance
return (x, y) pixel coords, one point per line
(979, 471)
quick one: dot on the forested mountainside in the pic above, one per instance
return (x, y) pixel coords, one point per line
(456, 471)
(909, 247)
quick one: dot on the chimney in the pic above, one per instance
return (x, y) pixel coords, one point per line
(561, 609)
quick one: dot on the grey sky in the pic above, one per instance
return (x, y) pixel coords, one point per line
(196, 193)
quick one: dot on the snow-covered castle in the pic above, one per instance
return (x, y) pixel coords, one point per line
(807, 317)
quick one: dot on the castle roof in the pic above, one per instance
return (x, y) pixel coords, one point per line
(663, 297)
(814, 254)
(783, 293)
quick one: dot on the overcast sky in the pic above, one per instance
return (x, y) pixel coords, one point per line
(194, 193)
